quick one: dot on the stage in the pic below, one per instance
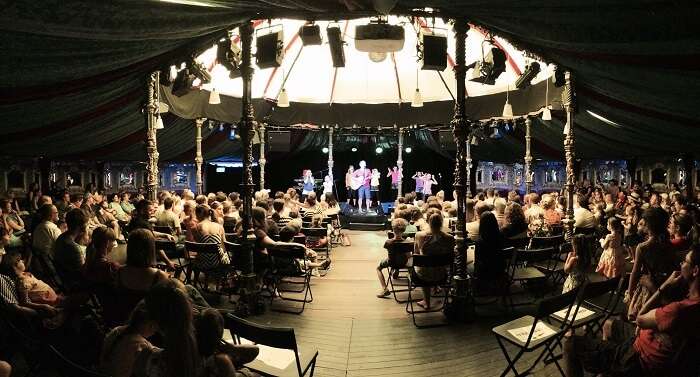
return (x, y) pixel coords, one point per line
(374, 219)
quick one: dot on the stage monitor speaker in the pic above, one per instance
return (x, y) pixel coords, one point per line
(434, 52)
(279, 141)
(447, 140)
(335, 42)
(269, 50)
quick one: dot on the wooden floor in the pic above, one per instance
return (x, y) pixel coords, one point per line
(358, 334)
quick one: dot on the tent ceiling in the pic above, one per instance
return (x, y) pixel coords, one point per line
(73, 72)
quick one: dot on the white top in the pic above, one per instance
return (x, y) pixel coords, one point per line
(375, 179)
(327, 187)
(44, 236)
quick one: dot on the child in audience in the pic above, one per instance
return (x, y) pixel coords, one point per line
(218, 361)
(576, 264)
(398, 226)
(612, 262)
(30, 289)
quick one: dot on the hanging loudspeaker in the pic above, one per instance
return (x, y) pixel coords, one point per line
(335, 42)
(269, 50)
(433, 54)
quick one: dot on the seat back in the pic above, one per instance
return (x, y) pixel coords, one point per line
(68, 368)
(232, 237)
(550, 241)
(397, 249)
(596, 289)
(440, 260)
(520, 240)
(314, 232)
(535, 255)
(202, 248)
(276, 337)
(229, 228)
(240, 260)
(552, 304)
(163, 229)
(301, 239)
(288, 251)
(170, 247)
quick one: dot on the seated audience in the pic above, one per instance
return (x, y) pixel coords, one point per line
(69, 255)
(514, 221)
(489, 262)
(584, 220)
(220, 359)
(46, 231)
(124, 343)
(98, 268)
(667, 339)
(398, 226)
(432, 242)
(168, 218)
(209, 231)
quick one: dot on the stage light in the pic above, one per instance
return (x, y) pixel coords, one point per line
(354, 149)
(232, 134)
(214, 98)
(200, 72)
(159, 123)
(409, 149)
(228, 54)
(377, 57)
(335, 43)
(526, 78)
(310, 35)
(221, 127)
(183, 83)
(490, 67)
(496, 133)
(283, 99)
(324, 150)
(379, 150)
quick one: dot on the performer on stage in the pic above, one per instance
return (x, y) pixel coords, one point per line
(351, 194)
(362, 177)
(418, 177)
(327, 185)
(428, 182)
(309, 184)
(374, 185)
(395, 175)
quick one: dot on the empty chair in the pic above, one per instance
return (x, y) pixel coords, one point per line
(530, 333)
(520, 270)
(275, 337)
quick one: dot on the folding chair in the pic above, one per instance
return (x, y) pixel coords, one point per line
(206, 252)
(414, 281)
(336, 232)
(178, 254)
(518, 270)
(589, 291)
(530, 333)
(274, 337)
(394, 253)
(518, 241)
(549, 241)
(317, 233)
(286, 271)
(164, 229)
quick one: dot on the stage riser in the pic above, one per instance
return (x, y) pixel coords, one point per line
(365, 226)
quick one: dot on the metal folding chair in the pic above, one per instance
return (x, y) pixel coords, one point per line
(287, 272)
(414, 281)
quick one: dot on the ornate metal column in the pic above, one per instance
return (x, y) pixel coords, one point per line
(262, 161)
(151, 113)
(568, 98)
(330, 153)
(399, 164)
(250, 290)
(468, 172)
(528, 156)
(198, 159)
(461, 302)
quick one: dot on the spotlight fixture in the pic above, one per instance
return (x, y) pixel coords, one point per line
(221, 127)
(379, 150)
(490, 67)
(353, 149)
(324, 150)
(377, 57)
(214, 98)
(183, 83)
(530, 72)
(232, 134)
(310, 35)
(283, 99)
(159, 123)
(200, 72)
(496, 133)
(409, 149)
(228, 54)
(335, 43)
(558, 78)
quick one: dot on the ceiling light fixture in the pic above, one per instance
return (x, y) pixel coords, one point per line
(546, 113)
(214, 98)
(283, 99)
(507, 108)
(159, 123)
(417, 97)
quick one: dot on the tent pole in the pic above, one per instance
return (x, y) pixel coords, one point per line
(528, 156)
(249, 291)
(151, 112)
(198, 159)
(330, 153)
(399, 164)
(461, 300)
(262, 161)
(568, 101)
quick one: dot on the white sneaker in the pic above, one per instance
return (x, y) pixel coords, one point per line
(315, 273)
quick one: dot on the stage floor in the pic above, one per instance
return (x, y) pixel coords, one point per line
(358, 334)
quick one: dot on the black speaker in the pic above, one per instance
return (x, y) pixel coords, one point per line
(310, 35)
(447, 140)
(279, 141)
(434, 52)
(269, 50)
(335, 42)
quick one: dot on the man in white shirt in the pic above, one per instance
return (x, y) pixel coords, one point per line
(46, 233)
(583, 217)
(535, 211)
(499, 206)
